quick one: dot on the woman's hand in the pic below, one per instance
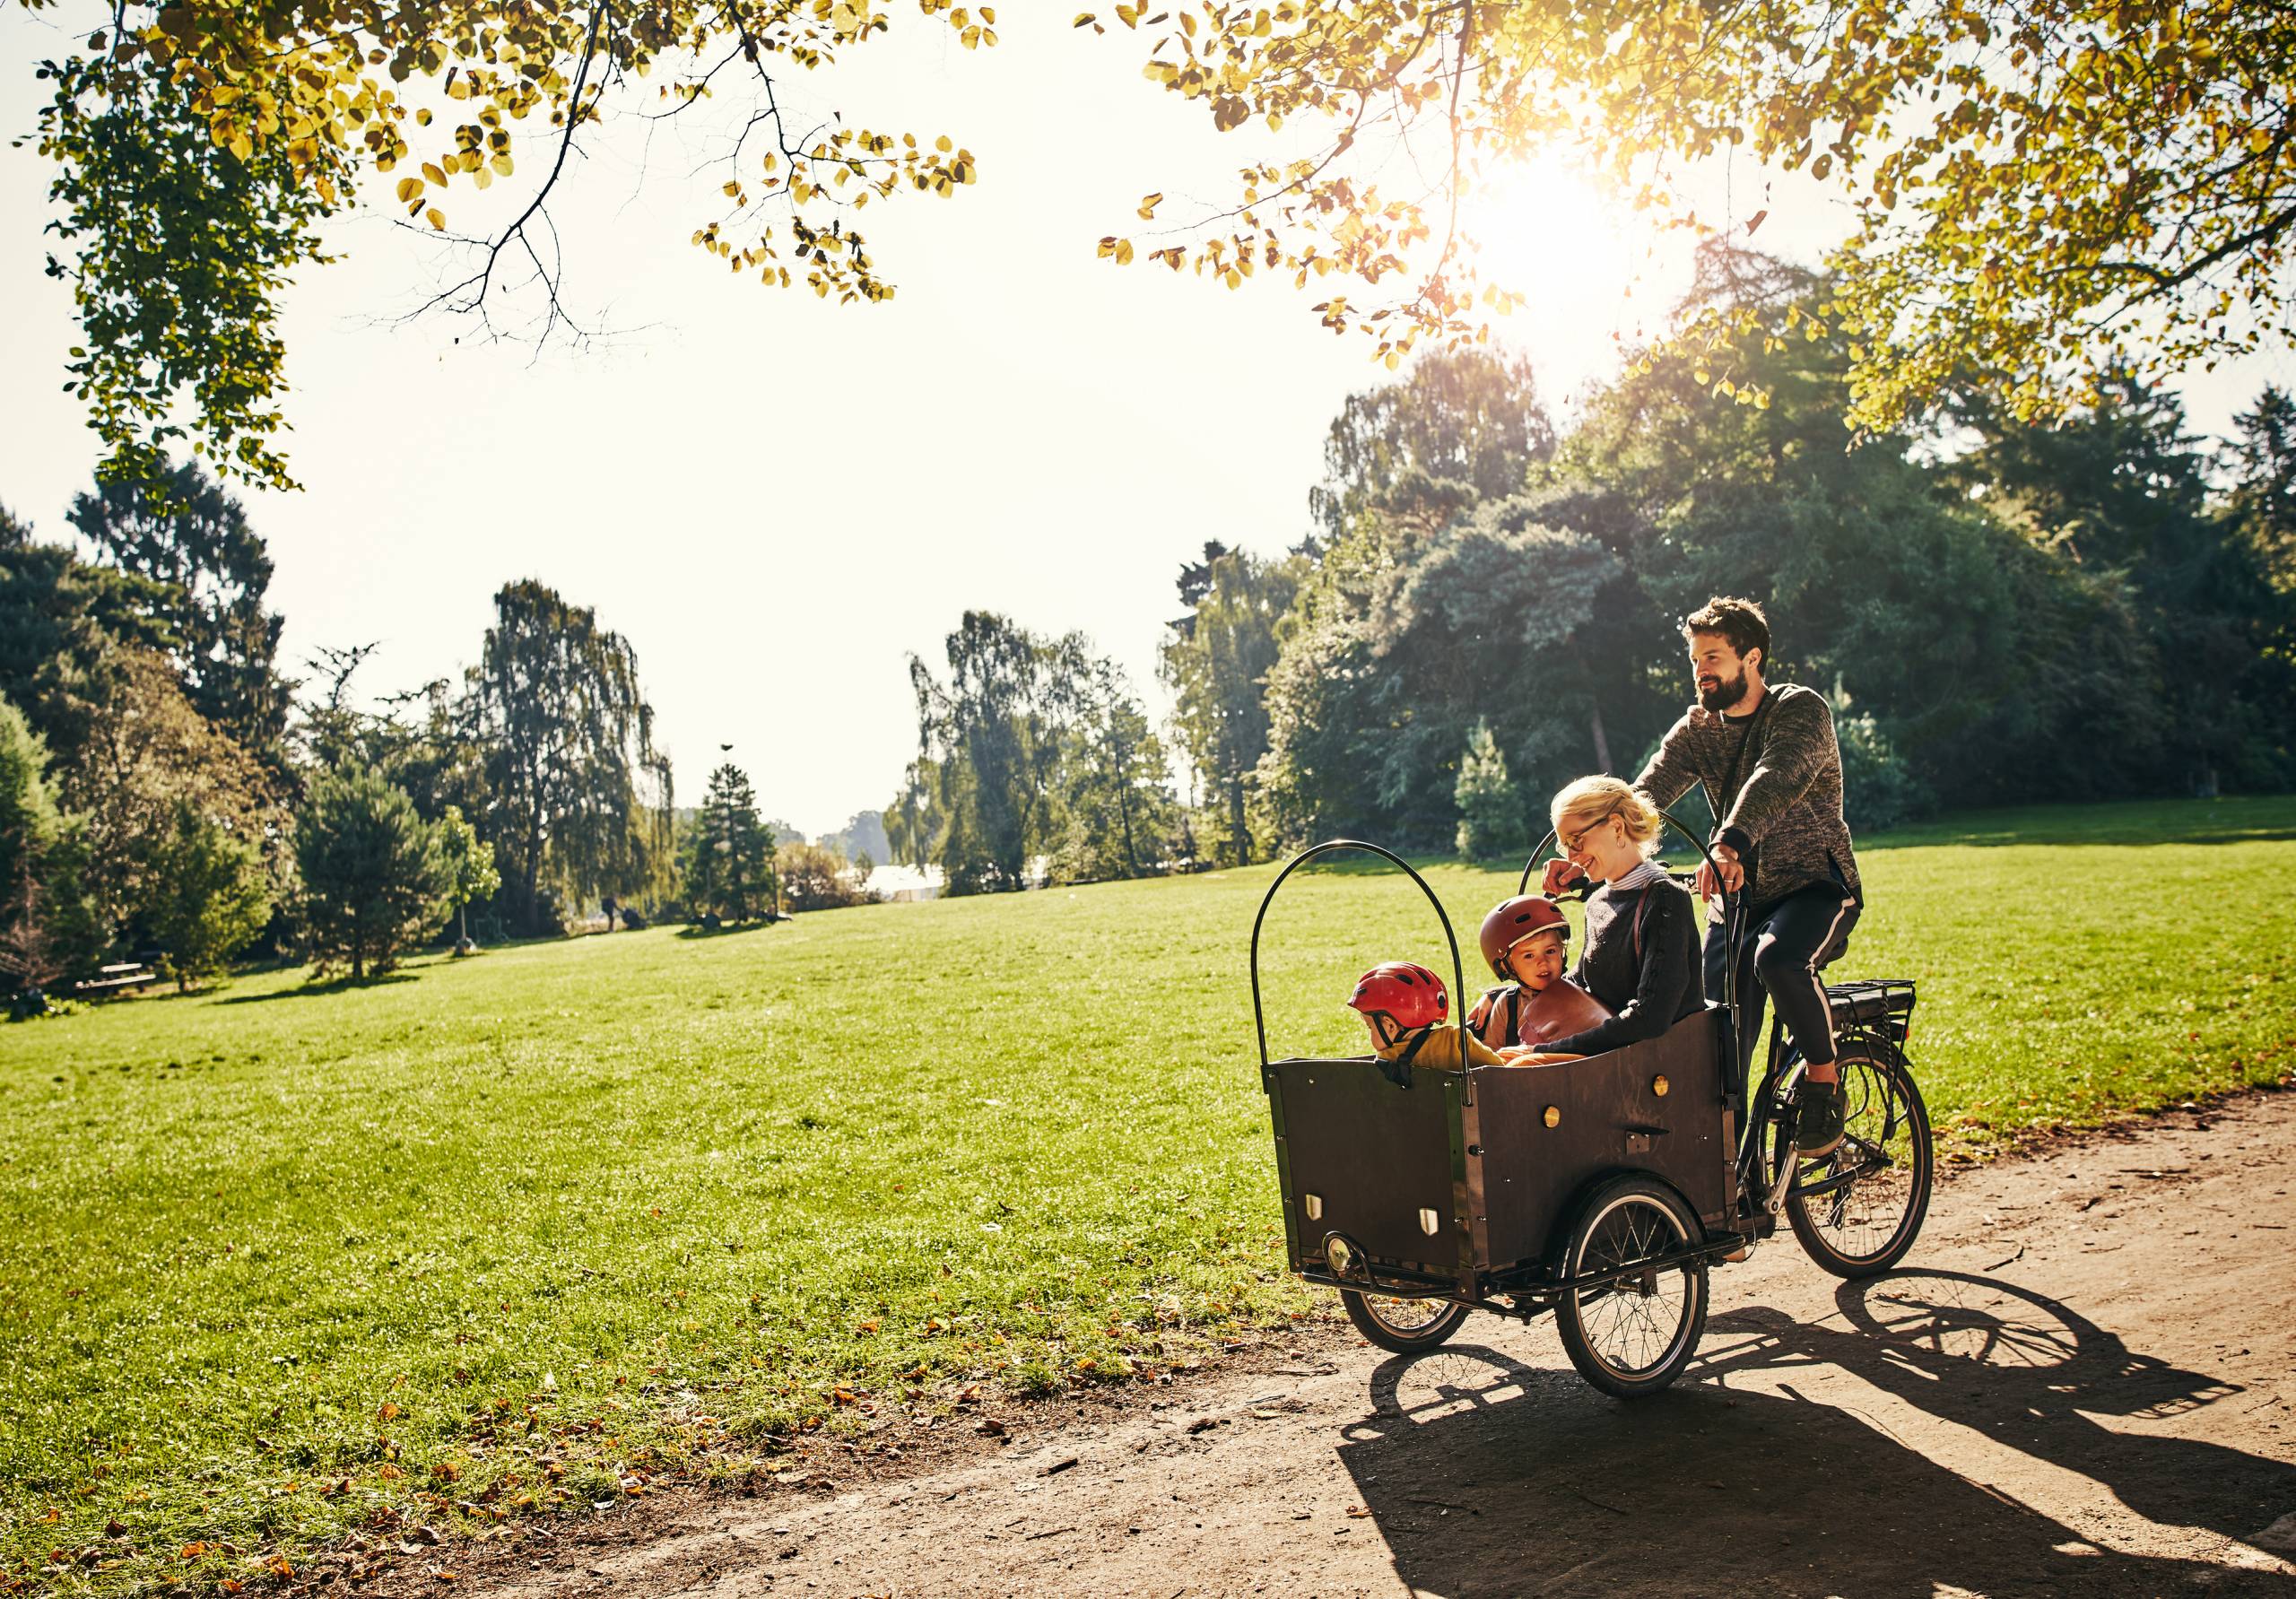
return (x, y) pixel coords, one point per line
(1559, 874)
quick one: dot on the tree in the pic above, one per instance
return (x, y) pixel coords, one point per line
(992, 741)
(1894, 586)
(210, 898)
(1406, 636)
(62, 624)
(913, 820)
(374, 879)
(48, 931)
(1467, 416)
(1491, 807)
(1216, 664)
(187, 535)
(863, 834)
(569, 756)
(2261, 504)
(2036, 188)
(729, 870)
(470, 864)
(815, 877)
(146, 752)
(1117, 814)
(201, 143)
(2120, 487)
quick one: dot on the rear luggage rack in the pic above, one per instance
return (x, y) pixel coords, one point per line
(1881, 1005)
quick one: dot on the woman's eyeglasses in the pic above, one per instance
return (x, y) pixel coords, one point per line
(1571, 841)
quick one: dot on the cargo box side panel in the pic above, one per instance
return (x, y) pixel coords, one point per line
(1609, 1117)
(1374, 1154)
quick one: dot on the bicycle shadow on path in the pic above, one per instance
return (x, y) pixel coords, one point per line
(1487, 1476)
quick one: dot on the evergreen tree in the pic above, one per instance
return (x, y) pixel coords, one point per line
(48, 929)
(186, 533)
(211, 899)
(2263, 501)
(374, 879)
(2122, 488)
(63, 626)
(729, 870)
(1491, 807)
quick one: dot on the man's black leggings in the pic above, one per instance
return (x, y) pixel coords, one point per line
(1786, 943)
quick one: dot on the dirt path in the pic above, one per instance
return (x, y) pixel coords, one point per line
(2085, 1383)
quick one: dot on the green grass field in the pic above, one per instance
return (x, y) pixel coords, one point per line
(530, 1229)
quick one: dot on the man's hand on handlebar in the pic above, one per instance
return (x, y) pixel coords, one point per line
(1733, 874)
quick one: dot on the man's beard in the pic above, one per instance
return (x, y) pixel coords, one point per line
(1725, 694)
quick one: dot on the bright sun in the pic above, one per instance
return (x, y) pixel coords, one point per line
(1582, 259)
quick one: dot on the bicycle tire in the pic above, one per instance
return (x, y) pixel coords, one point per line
(1629, 1218)
(1875, 1077)
(1396, 1336)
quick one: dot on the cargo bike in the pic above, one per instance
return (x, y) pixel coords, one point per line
(1603, 1189)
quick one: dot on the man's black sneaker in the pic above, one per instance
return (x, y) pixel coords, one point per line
(1817, 1119)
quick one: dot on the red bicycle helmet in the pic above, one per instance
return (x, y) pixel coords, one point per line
(1511, 921)
(1403, 991)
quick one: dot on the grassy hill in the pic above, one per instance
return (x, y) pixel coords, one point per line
(532, 1229)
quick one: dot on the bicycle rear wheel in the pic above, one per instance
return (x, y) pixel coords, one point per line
(1857, 1210)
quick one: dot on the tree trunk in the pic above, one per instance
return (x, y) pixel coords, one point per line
(1602, 742)
(1124, 810)
(1240, 838)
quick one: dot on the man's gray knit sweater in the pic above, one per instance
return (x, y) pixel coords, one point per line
(1787, 812)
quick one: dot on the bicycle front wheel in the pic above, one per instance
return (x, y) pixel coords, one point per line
(1858, 1210)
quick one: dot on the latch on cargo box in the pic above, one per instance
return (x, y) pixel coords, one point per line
(1638, 1139)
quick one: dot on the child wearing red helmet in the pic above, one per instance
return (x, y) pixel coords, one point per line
(1404, 1004)
(1524, 940)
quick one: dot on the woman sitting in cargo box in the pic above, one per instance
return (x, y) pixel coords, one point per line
(1641, 953)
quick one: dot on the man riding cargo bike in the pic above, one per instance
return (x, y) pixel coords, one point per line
(1601, 1182)
(1771, 764)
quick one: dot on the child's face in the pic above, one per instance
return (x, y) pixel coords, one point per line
(1537, 960)
(1384, 1032)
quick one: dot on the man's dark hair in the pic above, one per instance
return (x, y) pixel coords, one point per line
(1740, 621)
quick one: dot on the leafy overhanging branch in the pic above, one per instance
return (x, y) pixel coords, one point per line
(193, 124)
(2043, 191)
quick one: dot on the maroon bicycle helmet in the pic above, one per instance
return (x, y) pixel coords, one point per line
(1511, 921)
(1404, 992)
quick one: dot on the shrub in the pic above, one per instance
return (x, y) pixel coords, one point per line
(1878, 790)
(1490, 807)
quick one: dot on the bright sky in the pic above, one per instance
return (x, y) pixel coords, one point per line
(777, 500)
